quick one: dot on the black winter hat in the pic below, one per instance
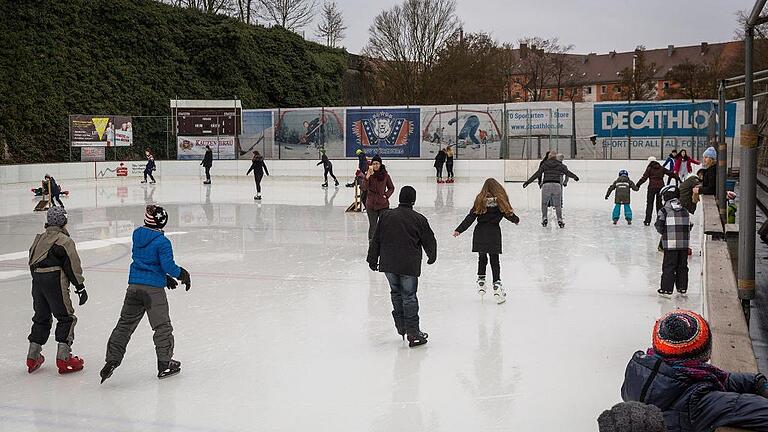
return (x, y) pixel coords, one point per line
(631, 417)
(407, 195)
(376, 158)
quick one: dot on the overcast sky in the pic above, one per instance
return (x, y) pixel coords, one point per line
(590, 25)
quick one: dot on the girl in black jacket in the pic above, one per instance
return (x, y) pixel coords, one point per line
(150, 167)
(439, 162)
(259, 168)
(491, 206)
(207, 163)
(327, 168)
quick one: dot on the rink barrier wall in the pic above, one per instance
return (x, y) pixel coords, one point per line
(591, 171)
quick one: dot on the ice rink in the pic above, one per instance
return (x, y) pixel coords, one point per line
(286, 329)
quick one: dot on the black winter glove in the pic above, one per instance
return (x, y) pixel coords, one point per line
(185, 279)
(606, 197)
(576, 178)
(762, 386)
(525, 185)
(82, 294)
(170, 282)
(431, 261)
(373, 266)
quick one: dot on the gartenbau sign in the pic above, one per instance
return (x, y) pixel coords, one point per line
(664, 119)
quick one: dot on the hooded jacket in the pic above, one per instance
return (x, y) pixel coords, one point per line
(622, 186)
(655, 173)
(55, 248)
(686, 193)
(152, 256)
(551, 171)
(258, 166)
(400, 236)
(440, 158)
(379, 187)
(694, 406)
(674, 225)
(669, 163)
(487, 235)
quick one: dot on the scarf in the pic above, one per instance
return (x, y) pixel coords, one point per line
(697, 371)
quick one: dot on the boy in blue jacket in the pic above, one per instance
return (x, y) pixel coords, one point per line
(694, 396)
(152, 270)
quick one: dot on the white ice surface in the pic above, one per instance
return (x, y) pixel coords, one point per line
(286, 328)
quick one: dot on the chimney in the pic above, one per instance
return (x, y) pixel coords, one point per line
(584, 59)
(704, 47)
(523, 50)
(670, 50)
(612, 54)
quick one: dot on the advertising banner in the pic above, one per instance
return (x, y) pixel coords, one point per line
(93, 154)
(258, 134)
(100, 131)
(390, 132)
(301, 132)
(191, 147)
(661, 119)
(544, 119)
(120, 169)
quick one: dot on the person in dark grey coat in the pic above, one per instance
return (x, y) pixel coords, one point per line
(623, 187)
(693, 395)
(395, 249)
(549, 176)
(490, 207)
(207, 163)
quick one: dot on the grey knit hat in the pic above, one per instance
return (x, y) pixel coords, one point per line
(56, 216)
(631, 417)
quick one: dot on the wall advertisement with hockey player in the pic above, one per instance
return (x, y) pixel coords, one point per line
(300, 133)
(193, 147)
(258, 134)
(392, 132)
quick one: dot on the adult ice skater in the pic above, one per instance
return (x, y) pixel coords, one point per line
(654, 174)
(207, 163)
(469, 130)
(549, 176)
(150, 167)
(327, 168)
(259, 168)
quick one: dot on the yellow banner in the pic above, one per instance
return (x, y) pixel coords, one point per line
(101, 125)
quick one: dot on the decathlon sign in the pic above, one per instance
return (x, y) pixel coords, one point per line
(667, 119)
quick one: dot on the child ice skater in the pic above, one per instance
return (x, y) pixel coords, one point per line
(674, 225)
(623, 187)
(675, 375)
(152, 270)
(490, 207)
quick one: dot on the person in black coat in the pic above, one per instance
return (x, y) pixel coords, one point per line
(693, 395)
(259, 168)
(395, 249)
(439, 163)
(55, 191)
(150, 167)
(490, 207)
(207, 163)
(327, 168)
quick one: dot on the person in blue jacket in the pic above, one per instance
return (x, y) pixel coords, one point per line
(152, 270)
(150, 167)
(669, 163)
(694, 396)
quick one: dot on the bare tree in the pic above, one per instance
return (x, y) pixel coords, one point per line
(408, 38)
(246, 10)
(289, 14)
(638, 81)
(563, 70)
(331, 27)
(536, 63)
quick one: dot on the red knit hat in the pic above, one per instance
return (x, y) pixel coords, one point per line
(682, 335)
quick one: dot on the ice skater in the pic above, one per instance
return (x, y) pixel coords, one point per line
(449, 163)
(395, 250)
(654, 174)
(152, 270)
(362, 168)
(675, 375)
(149, 167)
(379, 188)
(549, 177)
(55, 264)
(669, 163)
(55, 190)
(674, 225)
(207, 163)
(490, 207)
(259, 168)
(623, 187)
(439, 162)
(327, 168)
(469, 130)
(684, 165)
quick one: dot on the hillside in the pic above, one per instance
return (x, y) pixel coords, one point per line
(131, 57)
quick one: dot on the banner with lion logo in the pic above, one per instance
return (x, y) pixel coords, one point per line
(390, 132)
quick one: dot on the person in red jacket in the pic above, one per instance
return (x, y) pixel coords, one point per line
(379, 188)
(683, 165)
(654, 174)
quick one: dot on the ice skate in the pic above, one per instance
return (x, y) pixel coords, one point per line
(168, 369)
(647, 223)
(71, 364)
(257, 197)
(152, 182)
(498, 292)
(561, 224)
(683, 293)
(34, 364)
(207, 182)
(664, 294)
(143, 182)
(629, 221)
(107, 370)
(324, 185)
(544, 223)
(481, 285)
(440, 181)
(416, 339)
(615, 222)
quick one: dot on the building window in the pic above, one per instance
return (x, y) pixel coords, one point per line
(549, 93)
(560, 93)
(666, 85)
(588, 90)
(517, 80)
(617, 89)
(603, 89)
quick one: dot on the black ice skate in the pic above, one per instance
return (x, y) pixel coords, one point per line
(481, 285)
(647, 223)
(544, 223)
(107, 370)
(615, 221)
(337, 183)
(168, 369)
(325, 185)
(416, 339)
(561, 224)
(664, 294)
(498, 292)
(257, 197)
(683, 293)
